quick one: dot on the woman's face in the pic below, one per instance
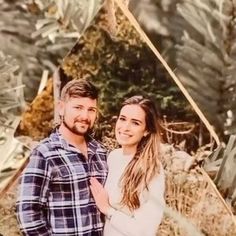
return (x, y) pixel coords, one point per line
(130, 126)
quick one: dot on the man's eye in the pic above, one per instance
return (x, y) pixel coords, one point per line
(92, 110)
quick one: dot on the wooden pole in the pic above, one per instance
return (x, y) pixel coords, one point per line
(13, 179)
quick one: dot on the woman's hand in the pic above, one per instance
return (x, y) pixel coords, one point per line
(100, 195)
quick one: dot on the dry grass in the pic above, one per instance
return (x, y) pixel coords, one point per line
(190, 193)
(8, 223)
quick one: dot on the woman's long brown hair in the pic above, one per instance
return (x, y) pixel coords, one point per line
(146, 162)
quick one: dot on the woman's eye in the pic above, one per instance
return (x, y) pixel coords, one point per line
(122, 119)
(135, 123)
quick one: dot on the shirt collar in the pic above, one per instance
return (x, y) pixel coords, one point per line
(59, 142)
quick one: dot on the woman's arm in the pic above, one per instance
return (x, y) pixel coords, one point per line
(145, 220)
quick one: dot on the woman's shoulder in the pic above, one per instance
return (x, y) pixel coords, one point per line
(115, 152)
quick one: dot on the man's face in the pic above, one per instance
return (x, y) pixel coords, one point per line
(79, 114)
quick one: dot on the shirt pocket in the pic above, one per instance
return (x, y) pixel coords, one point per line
(69, 182)
(69, 172)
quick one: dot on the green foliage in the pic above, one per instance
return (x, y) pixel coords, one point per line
(11, 91)
(63, 18)
(221, 165)
(121, 70)
(206, 63)
(122, 67)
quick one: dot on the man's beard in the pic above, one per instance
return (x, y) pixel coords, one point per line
(74, 130)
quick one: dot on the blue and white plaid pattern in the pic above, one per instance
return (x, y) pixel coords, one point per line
(54, 196)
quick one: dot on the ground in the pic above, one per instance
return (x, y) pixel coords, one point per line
(8, 222)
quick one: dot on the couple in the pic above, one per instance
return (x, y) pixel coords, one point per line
(70, 186)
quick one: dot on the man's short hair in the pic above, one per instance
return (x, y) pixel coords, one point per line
(79, 88)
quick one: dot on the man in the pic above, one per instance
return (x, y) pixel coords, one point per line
(54, 196)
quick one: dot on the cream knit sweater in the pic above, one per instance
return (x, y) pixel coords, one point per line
(143, 221)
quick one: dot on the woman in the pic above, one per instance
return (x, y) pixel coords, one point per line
(133, 198)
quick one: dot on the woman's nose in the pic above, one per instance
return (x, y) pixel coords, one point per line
(126, 125)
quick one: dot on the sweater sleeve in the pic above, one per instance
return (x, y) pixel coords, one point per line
(32, 196)
(145, 220)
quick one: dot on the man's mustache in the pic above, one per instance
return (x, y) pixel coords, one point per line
(84, 121)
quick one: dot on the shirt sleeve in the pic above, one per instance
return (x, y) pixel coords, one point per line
(32, 196)
(145, 220)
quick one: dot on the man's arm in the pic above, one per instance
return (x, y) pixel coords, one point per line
(32, 196)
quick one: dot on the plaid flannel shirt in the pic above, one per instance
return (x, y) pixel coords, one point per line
(54, 195)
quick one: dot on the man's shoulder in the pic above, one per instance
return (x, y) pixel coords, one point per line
(99, 146)
(46, 145)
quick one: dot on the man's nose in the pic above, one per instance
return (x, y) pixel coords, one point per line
(84, 114)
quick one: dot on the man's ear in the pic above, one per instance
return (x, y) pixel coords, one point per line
(98, 115)
(60, 107)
